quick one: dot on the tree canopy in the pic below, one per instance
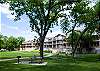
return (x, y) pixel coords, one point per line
(81, 14)
(97, 8)
(86, 42)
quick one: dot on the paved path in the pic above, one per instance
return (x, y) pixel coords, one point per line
(49, 55)
(7, 59)
(12, 59)
(23, 58)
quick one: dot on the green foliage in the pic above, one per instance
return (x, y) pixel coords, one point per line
(75, 35)
(10, 43)
(81, 14)
(84, 14)
(86, 41)
(47, 51)
(4, 38)
(1, 41)
(97, 8)
(88, 38)
(19, 41)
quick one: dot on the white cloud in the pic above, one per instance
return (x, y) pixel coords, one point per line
(5, 9)
(30, 35)
(0, 19)
(0, 27)
(91, 4)
(53, 34)
(4, 26)
(27, 34)
(81, 27)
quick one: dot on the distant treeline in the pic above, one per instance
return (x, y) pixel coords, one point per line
(10, 43)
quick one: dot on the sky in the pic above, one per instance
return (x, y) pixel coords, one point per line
(9, 27)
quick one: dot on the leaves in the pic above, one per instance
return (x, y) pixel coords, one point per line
(97, 8)
(86, 41)
(10, 43)
(75, 35)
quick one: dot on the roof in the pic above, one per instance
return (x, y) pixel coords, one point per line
(60, 35)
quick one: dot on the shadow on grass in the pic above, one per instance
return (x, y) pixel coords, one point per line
(54, 64)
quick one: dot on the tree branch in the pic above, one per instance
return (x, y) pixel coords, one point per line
(47, 17)
(49, 9)
(36, 26)
(79, 40)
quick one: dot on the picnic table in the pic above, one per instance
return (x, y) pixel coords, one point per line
(33, 59)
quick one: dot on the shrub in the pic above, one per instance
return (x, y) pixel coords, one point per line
(47, 51)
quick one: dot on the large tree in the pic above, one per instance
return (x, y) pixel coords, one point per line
(11, 43)
(43, 14)
(5, 38)
(75, 34)
(83, 14)
(87, 16)
(1, 41)
(85, 43)
(97, 8)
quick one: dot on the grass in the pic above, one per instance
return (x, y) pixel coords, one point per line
(55, 63)
(14, 54)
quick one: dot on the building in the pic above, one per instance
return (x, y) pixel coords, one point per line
(57, 43)
(98, 42)
(28, 46)
(54, 44)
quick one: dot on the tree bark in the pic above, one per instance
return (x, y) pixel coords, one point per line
(41, 47)
(72, 36)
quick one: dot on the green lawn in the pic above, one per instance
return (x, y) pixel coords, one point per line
(60, 63)
(14, 54)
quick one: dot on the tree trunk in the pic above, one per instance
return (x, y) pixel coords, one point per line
(41, 47)
(72, 43)
(73, 38)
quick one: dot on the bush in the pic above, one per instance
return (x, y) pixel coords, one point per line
(47, 51)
